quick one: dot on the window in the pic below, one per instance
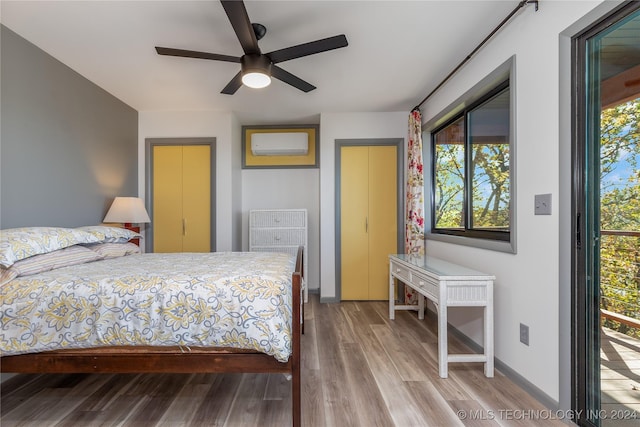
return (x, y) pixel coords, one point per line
(471, 170)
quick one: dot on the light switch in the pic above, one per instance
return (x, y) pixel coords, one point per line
(543, 204)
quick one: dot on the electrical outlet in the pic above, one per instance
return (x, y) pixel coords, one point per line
(524, 334)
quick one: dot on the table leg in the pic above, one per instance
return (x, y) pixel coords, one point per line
(392, 311)
(488, 339)
(442, 341)
(421, 306)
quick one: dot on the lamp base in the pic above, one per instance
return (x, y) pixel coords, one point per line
(129, 226)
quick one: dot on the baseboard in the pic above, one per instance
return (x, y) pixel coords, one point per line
(324, 300)
(6, 376)
(514, 376)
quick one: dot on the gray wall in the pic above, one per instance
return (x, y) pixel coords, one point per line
(67, 147)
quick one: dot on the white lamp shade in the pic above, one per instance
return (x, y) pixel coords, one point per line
(127, 210)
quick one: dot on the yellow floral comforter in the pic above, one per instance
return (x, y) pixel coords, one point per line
(223, 299)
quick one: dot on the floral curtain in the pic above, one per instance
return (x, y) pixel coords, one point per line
(414, 220)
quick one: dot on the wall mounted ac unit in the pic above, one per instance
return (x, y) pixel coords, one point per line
(280, 144)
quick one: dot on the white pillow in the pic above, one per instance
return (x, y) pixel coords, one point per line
(57, 259)
(114, 250)
(7, 275)
(106, 234)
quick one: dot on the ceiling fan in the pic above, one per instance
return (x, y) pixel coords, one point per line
(257, 68)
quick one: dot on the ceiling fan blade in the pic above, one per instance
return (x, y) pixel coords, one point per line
(194, 54)
(241, 24)
(233, 85)
(289, 78)
(310, 48)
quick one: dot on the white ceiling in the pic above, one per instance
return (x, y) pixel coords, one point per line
(398, 51)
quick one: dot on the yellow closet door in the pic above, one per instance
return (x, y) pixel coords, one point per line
(167, 198)
(368, 219)
(383, 217)
(354, 195)
(196, 202)
(181, 198)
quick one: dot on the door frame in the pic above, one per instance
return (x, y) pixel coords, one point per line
(366, 142)
(150, 143)
(585, 304)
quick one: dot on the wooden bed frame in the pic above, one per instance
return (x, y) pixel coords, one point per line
(175, 360)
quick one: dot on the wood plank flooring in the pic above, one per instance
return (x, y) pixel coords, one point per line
(358, 369)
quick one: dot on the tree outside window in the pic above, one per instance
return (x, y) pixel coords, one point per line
(471, 167)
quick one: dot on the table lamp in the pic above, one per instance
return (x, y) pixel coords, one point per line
(127, 210)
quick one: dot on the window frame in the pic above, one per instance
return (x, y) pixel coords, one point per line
(498, 80)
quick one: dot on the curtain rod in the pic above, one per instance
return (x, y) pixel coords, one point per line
(482, 43)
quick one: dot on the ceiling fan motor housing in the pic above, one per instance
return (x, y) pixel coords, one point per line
(256, 63)
(256, 70)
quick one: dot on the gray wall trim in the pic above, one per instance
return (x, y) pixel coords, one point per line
(68, 146)
(339, 143)
(505, 70)
(150, 143)
(5, 376)
(527, 386)
(514, 376)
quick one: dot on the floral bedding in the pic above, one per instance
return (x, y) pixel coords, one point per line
(239, 300)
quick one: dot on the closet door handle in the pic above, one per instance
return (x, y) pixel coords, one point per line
(184, 226)
(366, 224)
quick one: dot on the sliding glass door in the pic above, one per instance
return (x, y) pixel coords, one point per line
(606, 208)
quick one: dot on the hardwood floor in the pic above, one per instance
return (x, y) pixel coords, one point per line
(358, 369)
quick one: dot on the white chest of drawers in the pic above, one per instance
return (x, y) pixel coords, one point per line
(446, 285)
(280, 230)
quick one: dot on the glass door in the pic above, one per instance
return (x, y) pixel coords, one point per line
(607, 221)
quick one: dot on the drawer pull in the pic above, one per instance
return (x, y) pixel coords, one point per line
(398, 270)
(276, 238)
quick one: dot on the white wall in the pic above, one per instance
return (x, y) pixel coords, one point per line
(345, 126)
(286, 189)
(222, 126)
(527, 287)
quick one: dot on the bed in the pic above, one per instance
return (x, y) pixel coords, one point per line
(85, 301)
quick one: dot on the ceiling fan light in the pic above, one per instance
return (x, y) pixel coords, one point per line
(256, 71)
(256, 79)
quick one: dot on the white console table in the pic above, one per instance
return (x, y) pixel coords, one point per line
(446, 285)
